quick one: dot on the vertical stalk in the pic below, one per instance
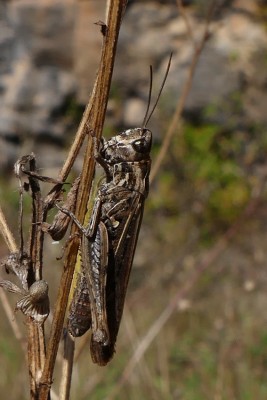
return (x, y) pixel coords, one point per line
(92, 121)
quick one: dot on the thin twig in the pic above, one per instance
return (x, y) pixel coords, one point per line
(181, 103)
(10, 316)
(7, 234)
(187, 23)
(69, 346)
(83, 344)
(93, 119)
(36, 339)
(79, 137)
(11, 244)
(143, 369)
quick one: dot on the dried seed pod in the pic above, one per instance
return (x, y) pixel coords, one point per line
(35, 303)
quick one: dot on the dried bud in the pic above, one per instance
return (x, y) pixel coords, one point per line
(39, 291)
(22, 162)
(35, 303)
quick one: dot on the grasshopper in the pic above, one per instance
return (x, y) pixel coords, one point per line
(109, 240)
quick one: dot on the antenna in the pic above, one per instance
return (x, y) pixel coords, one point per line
(160, 91)
(149, 95)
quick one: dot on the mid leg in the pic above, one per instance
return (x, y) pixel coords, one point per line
(72, 216)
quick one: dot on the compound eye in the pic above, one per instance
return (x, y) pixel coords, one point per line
(141, 145)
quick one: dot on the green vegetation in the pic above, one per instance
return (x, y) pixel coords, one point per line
(211, 171)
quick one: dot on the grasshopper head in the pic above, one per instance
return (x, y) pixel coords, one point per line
(130, 146)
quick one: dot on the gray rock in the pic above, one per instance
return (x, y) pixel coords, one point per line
(49, 52)
(36, 74)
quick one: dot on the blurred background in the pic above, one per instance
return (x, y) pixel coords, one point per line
(194, 325)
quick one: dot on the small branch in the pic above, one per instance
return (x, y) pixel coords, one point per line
(7, 234)
(82, 346)
(187, 23)
(133, 338)
(11, 244)
(69, 346)
(181, 103)
(36, 341)
(10, 316)
(79, 137)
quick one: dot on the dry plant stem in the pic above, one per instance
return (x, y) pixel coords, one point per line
(36, 233)
(94, 120)
(79, 138)
(181, 103)
(10, 316)
(57, 323)
(7, 234)
(69, 346)
(187, 23)
(83, 344)
(11, 244)
(21, 247)
(203, 265)
(36, 348)
(36, 343)
(36, 355)
(143, 369)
